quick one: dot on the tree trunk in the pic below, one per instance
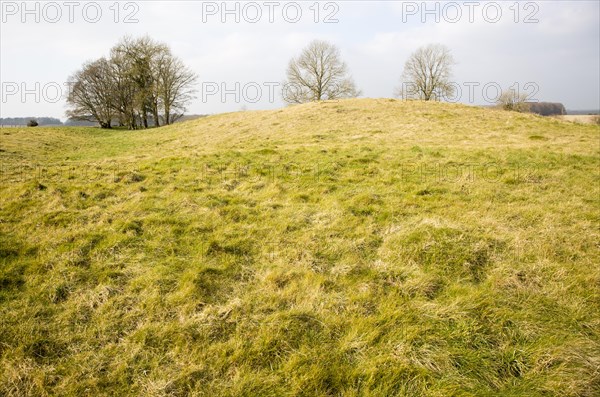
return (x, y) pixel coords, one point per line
(167, 114)
(155, 115)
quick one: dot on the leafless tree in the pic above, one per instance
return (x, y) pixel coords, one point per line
(175, 86)
(318, 74)
(91, 94)
(426, 74)
(124, 88)
(141, 70)
(513, 100)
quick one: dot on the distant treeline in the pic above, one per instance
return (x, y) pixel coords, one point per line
(51, 121)
(583, 112)
(25, 120)
(547, 108)
(45, 121)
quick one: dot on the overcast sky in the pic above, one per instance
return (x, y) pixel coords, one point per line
(549, 49)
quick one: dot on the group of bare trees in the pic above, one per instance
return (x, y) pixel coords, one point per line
(140, 84)
(318, 73)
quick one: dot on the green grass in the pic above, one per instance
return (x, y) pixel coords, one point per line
(351, 248)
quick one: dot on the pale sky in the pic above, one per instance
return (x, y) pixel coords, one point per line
(549, 49)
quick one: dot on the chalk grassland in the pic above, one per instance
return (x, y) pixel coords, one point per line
(351, 248)
(580, 118)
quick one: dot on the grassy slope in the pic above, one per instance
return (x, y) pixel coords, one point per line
(360, 247)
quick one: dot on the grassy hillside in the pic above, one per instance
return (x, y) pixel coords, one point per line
(352, 248)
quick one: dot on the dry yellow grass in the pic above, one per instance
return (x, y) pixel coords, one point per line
(583, 118)
(360, 247)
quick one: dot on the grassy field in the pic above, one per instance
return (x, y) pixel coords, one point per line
(580, 118)
(353, 248)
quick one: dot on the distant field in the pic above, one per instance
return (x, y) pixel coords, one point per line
(352, 248)
(585, 119)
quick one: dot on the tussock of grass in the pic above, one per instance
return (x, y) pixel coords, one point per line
(359, 247)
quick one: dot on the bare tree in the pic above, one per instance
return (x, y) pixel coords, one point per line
(124, 88)
(175, 86)
(161, 81)
(140, 80)
(91, 94)
(141, 70)
(426, 74)
(513, 100)
(318, 74)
